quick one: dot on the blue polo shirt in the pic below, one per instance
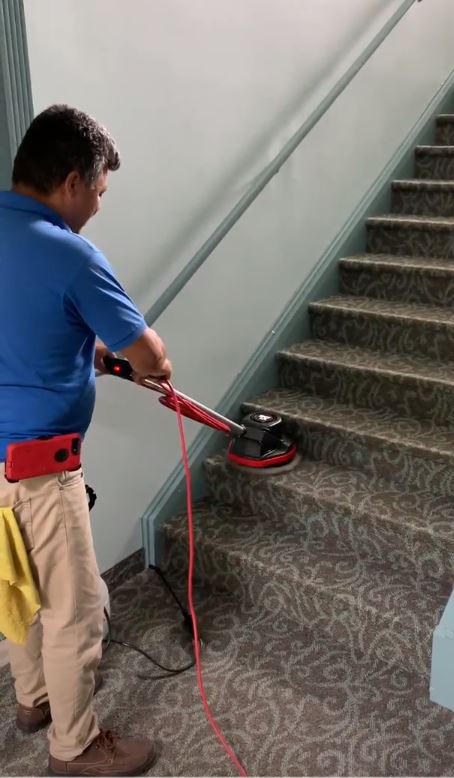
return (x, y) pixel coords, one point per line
(57, 292)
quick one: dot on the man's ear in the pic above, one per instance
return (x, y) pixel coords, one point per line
(72, 183)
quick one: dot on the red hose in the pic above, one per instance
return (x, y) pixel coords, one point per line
(192, 411)
(182, 406)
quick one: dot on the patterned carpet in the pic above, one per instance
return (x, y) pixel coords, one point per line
(289, 704)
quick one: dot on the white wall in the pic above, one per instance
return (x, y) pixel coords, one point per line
(200, 95)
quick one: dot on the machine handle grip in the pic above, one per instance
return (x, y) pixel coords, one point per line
(118, 367)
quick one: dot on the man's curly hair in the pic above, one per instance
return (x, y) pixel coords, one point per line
(59, 140)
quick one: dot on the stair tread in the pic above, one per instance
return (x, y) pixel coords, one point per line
(362, 358)
(362, 493)
(420, 435)
(432, 265)
(351, 304)
(357, 582)
(408, 220)
(445, 118)
(424, 184)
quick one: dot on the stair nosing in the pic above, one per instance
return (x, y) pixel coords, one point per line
(428, 148)
(409, 221)
(405, 264)
(326, 305)
(423, 183)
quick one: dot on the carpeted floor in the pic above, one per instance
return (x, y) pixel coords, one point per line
(288, 703)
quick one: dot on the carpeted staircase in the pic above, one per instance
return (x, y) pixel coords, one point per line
(355, 546)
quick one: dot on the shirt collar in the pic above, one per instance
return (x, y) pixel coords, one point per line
(19, 202)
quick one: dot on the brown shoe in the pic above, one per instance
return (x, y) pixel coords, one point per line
(108, 755)
(30, 720)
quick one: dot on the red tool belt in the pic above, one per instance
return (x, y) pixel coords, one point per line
(43, 456)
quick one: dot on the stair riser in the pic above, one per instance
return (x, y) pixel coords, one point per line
(417, 202)
(381, 458)
(319, 522)
(411, 286)
(444, 134)
(410, 241)
(377, 332)
(364, 389)
(434, 167)
(366, 635)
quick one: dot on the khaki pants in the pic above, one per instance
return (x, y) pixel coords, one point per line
(64, 643)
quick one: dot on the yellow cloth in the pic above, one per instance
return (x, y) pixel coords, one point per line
(19, 598)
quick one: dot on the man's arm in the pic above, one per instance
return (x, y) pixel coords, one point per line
(148, 356)
(104, 305)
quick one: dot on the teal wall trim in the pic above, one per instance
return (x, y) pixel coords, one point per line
(442, 675)
(293, 324)
(16, 105)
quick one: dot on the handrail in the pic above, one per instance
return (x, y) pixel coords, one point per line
(273, 167)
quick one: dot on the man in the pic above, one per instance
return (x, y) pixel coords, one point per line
(57, 293)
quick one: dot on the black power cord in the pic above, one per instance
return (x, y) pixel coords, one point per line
(187, 625)
(187, 618)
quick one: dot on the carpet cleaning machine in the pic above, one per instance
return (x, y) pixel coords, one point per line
(258, 442)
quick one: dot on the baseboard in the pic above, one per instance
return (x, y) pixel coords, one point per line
(293, 324)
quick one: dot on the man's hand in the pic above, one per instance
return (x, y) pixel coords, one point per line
(163, 370)
(148, 357)
(101, 351)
